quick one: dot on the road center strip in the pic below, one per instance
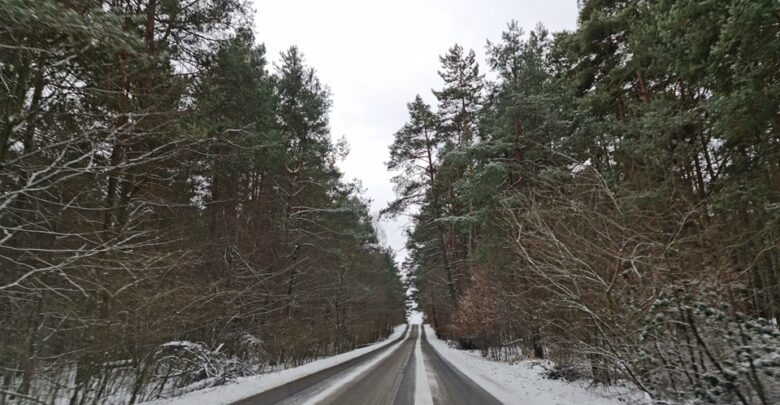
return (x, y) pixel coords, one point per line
(422, 387)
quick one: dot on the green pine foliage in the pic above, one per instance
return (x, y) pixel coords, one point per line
(171, 213)
(609, 200)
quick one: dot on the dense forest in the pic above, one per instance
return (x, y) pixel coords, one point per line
(172, 214)
(608, 198)
(171, 211)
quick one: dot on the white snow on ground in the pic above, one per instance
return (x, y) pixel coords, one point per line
(521, 383)
(248, 386)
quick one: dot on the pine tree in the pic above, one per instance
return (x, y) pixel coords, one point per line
(310, 171)
(460, 98)
(150, 166)
(413, 152)
(457, 117)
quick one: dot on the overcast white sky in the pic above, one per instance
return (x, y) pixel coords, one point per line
(376, 55)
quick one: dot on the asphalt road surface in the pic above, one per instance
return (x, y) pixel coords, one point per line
(389, 381)
(450, 386)
(299, 391)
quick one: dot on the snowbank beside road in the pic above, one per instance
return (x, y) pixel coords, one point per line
(522, 383)
(248, 386)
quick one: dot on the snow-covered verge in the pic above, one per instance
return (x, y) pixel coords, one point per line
(247, 386)
(524, 383)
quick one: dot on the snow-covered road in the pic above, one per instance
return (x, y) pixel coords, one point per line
(410, 367)
(387, 377)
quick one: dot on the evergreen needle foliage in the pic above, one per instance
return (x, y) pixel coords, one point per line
(171, 213)
(610, 200)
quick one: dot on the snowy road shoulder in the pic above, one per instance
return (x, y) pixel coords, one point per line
(249, 386)
(523, 384)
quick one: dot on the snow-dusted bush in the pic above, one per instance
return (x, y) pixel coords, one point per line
(192, 362)
(706, 349)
